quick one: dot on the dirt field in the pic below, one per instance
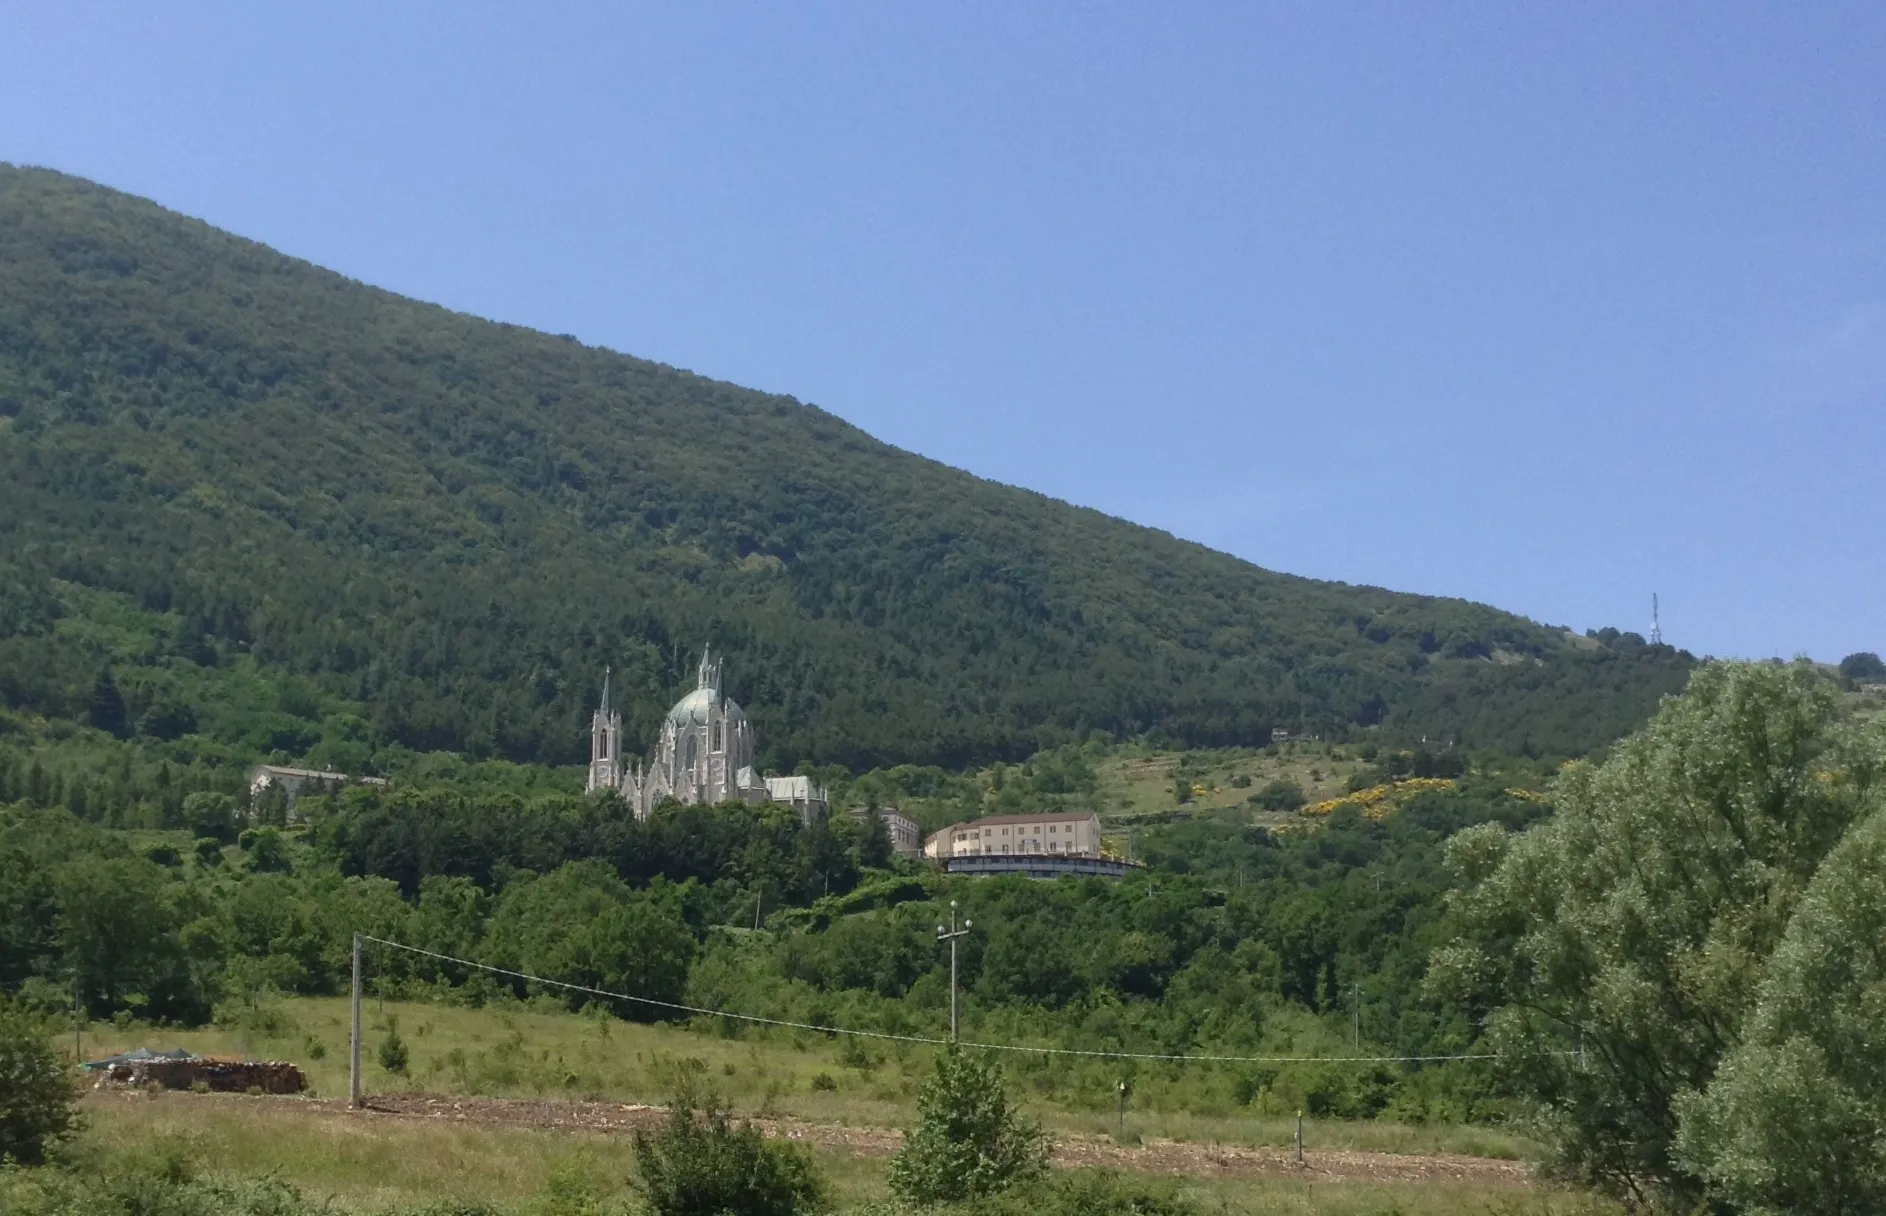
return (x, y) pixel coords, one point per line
(1154, 1156)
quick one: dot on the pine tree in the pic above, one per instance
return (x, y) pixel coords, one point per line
(108, 711)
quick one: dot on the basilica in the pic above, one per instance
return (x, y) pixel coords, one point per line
(704, 754)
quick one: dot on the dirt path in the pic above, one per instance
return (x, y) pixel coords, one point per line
(1154, 1156)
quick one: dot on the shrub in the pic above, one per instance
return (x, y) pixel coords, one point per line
(700, 1163)
(970, 1141)
(36, 1091)
(1281, 794)
(1086, 1194)
(392, 1052)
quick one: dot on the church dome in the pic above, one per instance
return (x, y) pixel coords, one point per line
(695, 708)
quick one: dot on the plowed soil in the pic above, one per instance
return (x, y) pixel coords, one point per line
(1154, 1156)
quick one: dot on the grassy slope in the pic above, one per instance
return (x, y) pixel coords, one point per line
(525, 1053)
(456, 524)
(363, 1168)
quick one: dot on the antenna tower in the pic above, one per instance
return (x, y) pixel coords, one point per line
(1656, 622)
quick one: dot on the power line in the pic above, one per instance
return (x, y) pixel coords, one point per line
(756, 1019)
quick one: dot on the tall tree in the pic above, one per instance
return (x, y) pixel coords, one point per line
(1620, 945)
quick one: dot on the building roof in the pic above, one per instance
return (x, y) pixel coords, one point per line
(798, 787)
(1045, 817)
(309, 774)
(696, 707)
(884, 812)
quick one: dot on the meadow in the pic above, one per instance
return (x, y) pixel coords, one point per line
(366, 1164)
(523, 1051)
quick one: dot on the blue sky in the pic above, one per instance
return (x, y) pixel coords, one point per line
(1546, 306)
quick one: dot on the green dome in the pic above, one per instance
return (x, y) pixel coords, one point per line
(695, 708)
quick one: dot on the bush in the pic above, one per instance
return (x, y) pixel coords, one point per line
(392, 1052)
(36, 1091)
(702, 1164)
(1086, 1194)
(970, 1142)
(1281, 794)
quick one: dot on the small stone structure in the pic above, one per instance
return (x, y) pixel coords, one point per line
(222, 1076)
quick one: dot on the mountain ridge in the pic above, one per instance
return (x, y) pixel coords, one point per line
(459, 522)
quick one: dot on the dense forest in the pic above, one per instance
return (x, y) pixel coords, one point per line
(421, 531)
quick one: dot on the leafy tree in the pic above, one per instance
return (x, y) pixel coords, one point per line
(1791, 1121)
(37, 1098)
(1864, 667)
(117, 927)
(267, 849)
(212, 815)
(1621, 944)
(583, 925)
(970, 1140)
(701, 1163)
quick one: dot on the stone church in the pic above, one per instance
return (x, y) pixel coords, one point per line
(704, 754)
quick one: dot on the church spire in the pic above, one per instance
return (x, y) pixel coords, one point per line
(605, 692)
(708, 676)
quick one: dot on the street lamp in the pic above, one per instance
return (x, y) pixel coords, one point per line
(950, 935)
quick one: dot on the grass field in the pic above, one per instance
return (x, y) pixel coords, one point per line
(366, 1164)
(520, 1052)
(1136, 784)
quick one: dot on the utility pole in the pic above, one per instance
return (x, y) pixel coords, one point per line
(1358, 1019)
(353, 1073)
(78, 1033)
(951, 935)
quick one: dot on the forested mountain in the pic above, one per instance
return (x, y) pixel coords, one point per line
(455, 524)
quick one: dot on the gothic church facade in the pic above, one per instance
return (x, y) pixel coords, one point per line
(704, 755)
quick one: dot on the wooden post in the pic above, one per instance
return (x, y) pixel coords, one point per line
(1299, 1137)
(353, 1072)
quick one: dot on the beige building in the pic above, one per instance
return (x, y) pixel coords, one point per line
(1063, 833)
(905, 833)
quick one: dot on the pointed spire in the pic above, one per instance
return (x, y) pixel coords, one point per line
(605, 692)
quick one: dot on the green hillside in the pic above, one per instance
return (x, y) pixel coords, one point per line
(405, 526)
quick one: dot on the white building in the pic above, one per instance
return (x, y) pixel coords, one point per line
(1062, 833)
(704, 755)
(292, 781)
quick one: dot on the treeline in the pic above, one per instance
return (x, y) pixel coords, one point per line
(1237, 939)
(431, 533)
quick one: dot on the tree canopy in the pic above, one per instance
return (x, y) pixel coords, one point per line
(1682, 965)
(433, 532)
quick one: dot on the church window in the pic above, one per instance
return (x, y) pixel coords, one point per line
(690, 752)
(716, 736)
